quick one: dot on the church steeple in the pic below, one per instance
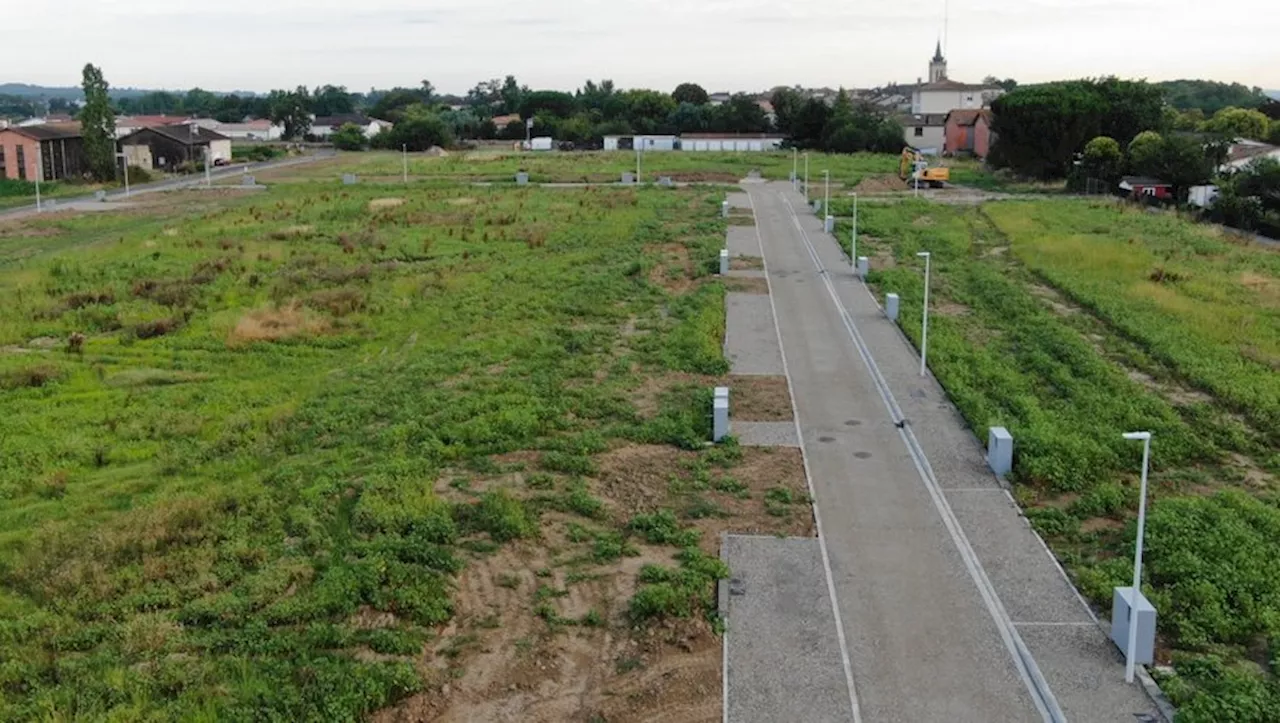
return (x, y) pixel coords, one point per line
(937, 66)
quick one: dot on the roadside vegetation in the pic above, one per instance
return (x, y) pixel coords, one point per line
(592, 167)
(1070, 322)
(279, 459)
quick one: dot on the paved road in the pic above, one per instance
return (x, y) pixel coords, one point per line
(925, 547)
(172, 185)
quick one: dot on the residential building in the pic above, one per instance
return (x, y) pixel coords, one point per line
(325, 126)
(1243, 152)
(718, 98)
(926, 132)
(251, 130)
(50, 152)
(968, 131)
(1139, 186)
(943, 95)
(126, 124)
(168, 147)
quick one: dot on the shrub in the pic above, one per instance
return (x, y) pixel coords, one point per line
(662, 528)
(680, 592)
(499, 514)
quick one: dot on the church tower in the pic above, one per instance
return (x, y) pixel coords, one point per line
(937, 66)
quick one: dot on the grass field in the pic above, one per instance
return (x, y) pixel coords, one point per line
(311, 454)
(1070, 322)
(592, 167)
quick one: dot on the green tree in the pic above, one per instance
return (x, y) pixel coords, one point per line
(418, 129)
(690, 93)
(350, 137)
(555, 102)
(199, 102)
(428, 92)
(330, 100)
(1261, 180)
(786, 104)
(98, 125)
(292, 111)
(512, 94)
(391, 106)
(1238, 123)
(1102, 158)
(1209, 96)
(1144, 153)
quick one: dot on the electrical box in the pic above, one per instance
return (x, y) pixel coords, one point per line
(999, 451)
(1145, 614)
(891, 307)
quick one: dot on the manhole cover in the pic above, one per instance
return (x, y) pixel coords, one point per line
(862, 455)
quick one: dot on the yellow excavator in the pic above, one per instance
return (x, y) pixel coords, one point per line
(913, 167)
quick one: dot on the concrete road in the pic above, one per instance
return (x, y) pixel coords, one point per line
(952, 608)
(923, 642)
(218, 174)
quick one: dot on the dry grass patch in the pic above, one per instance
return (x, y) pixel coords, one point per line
(745, 263)
(674, 269)
(746, 285)
(760, 398)
(276, 324)
(379, 204)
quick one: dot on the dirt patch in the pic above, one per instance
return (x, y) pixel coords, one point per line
(744, 285)
(951, 308)
(1056, 301)
(760, 399)
(1101, 524)
(699, 176)
(462, 201)
(742, 221)
(1266, 286)
(925, 221)
(275, 324)
(746, 263)
(647, 396)
(995, 251)
(881, 184)
(380, 204)
(674, 270)
(1254, 476)
(289, 232)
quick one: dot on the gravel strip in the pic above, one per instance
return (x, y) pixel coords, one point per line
(764, 434)
(751, 343)
(783, 657)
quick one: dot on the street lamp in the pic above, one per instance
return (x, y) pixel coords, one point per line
(795, 166)
(124, 161)
(39, 173)
(924, 320)
(806, 178)
(826, 197)
(853, 245)
(1132, 648)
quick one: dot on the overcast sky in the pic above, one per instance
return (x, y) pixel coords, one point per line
(721, 44)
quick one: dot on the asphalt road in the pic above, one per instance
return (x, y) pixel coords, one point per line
(222, 173)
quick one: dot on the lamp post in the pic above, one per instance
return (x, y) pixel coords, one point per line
(124, 161)
(795, 166)
(1132, 648)
(826, 197)
(924, 319)
(853, 245)
(806, 178)
(208, 162)
(39, 173)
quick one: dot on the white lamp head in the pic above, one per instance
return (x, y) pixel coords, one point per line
(922, 254)
(1142, 436)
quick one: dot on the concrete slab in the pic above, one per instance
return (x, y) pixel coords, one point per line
(1080, 658)
(750, 340)
(738, 200)
(742, 241)
(765, 434)
(782, 654)
(747, 273)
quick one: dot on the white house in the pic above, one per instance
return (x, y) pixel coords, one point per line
(1243, 152)
(325, 126)
(254, 130)
(932, 101)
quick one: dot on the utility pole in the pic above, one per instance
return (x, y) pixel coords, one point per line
(853, 245)
(39, 173)
(806, 178)
(1132, 649)
(208, 161)
(124, 161)
(404, 154)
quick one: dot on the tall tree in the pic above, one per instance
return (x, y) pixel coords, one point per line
(512, 94)
(786, 107)
(1239, 123)
(292, 110)
(690, 93)
(428, 92)
(331, 100)
(98, 125)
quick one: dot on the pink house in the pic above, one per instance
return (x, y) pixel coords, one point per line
(968, 131)
(55, 151)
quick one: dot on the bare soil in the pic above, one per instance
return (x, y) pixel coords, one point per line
(745, 285)
(760, 398)
(881, 184)
(500, 660)
(674, 272)
(743, 263)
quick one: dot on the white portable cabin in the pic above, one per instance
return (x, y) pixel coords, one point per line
(730, 143)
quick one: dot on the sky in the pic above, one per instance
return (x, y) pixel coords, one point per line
(724, 45)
